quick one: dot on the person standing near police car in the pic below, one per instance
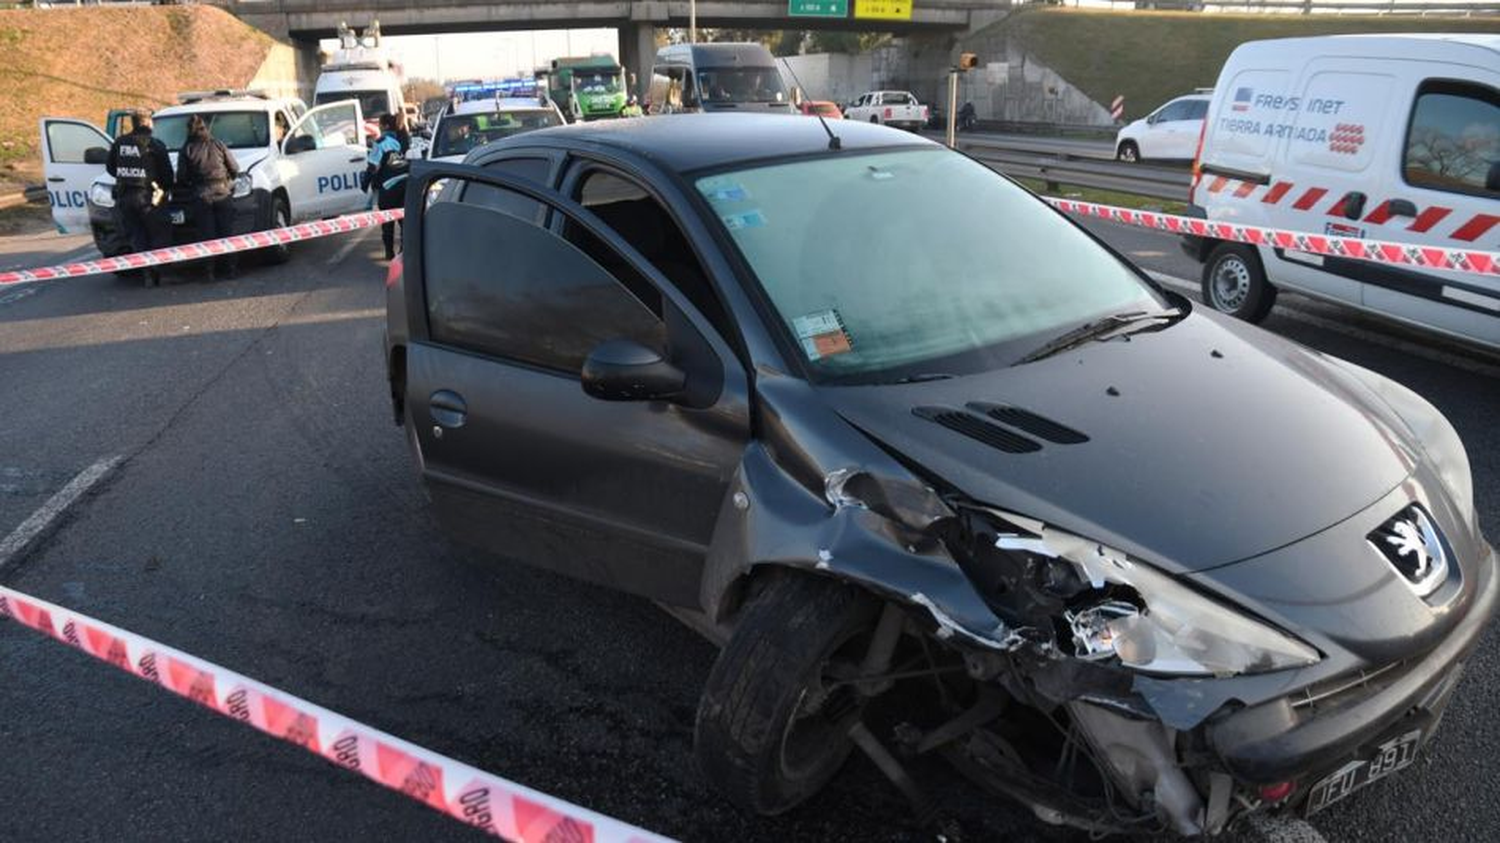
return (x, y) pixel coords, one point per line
(385, 176)
(143, 179)
(206, 166)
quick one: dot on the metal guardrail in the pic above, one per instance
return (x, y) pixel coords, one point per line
(1057, 168)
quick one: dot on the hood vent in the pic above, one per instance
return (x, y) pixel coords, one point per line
(978, 429)
(1030, 422)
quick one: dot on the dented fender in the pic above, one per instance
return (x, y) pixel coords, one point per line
(769, 519)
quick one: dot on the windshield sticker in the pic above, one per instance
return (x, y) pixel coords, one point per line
(822, 334)
(727, 193)
(748, 219)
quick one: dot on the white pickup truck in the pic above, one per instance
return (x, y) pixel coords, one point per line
(889, 108)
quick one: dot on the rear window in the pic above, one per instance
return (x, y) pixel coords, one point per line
(1453, 142)
(897, 99)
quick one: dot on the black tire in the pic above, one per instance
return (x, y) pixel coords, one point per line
(785, 637)
(281, 217)
(1128, 152)
(874, 119)
(1234, 282)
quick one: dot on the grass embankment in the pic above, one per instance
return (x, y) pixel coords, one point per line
(81, 62)
(1150, 57)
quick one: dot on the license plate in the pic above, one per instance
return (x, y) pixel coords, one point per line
(179, 217)
(1393, 755)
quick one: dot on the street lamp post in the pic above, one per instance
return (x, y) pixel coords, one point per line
(692, 21)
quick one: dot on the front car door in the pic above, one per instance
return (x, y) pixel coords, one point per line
(65, 146)
(505, 301)
(1156, 140)
(321, 161)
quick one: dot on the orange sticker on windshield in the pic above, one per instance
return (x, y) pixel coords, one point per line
(822, 334)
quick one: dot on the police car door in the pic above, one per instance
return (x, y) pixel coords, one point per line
(67, 145)
(321, 160)
(1445, 192)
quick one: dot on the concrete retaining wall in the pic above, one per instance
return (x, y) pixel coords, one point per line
(288, 71)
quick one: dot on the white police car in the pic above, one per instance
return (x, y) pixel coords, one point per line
(295, 164)
(470, 124)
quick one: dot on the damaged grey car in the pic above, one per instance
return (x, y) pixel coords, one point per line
(942, 473)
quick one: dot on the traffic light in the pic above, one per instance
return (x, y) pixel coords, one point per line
(967, 61)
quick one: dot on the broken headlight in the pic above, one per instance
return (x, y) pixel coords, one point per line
(1149, 621)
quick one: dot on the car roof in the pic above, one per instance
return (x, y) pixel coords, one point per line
(689, 142)
(502, 104)
(225, 104)
(1425, 45)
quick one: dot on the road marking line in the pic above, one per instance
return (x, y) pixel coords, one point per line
(1457, 361)
(1280, 828)
(65, 497)
(344, 250)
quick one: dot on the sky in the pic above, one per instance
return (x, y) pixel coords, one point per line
(482, 55)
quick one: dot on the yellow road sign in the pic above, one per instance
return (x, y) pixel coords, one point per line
(883, 9)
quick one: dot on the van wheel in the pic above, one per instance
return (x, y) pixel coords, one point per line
(281, 217)
(770, 731)
(1235, 282)
(1129, 153)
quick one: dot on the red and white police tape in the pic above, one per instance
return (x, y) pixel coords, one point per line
(207, 248)
(1477, 261)
(490, 803)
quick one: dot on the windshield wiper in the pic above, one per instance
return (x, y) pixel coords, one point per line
(1109, 325)
(924, 377)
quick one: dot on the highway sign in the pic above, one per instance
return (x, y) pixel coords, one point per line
(817, 8)
(883, 9)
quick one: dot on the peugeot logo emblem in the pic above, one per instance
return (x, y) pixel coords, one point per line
(1411, 542)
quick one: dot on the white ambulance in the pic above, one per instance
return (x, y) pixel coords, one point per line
(1388, 137)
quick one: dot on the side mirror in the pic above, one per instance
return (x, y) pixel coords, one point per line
(96, 155)
(625, 370)
(300, 143)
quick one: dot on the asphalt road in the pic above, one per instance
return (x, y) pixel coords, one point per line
(263, 516)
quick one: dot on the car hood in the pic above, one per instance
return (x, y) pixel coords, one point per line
(1207, 442)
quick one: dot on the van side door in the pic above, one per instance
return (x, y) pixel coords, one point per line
(1446, 193)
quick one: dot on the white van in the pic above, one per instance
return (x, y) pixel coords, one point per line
(1388, 137)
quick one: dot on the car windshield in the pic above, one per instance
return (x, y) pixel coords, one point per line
(235, 129)
(895, 264)
(597, 81)
(372, 104)
(741, 84)
(458, 134)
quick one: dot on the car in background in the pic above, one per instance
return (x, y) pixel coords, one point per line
(295, 165)
(889, 108)
(471, 124)
(820, 108)
(1380, 137)
(718, 77)
(1169, 133)
(938, 491)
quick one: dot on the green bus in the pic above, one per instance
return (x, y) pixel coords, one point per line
(586, 87)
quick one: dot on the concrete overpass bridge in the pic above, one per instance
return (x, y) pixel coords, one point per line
(305, 21)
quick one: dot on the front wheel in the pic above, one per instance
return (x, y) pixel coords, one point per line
(1129, 153)
(281, 217)
(1235, 282)
(773, 723)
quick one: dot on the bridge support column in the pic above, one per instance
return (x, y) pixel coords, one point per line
(638, 42)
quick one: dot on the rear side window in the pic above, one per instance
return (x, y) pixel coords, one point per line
(1453, 142)
(896, 99)
(506, 201)
(1175, 111)
(1196, 109)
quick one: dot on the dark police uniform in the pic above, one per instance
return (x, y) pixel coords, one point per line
(206, 166)
(140, 166)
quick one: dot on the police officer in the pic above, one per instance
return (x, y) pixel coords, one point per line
(206, 166)
(385, 176)
(143, 178)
